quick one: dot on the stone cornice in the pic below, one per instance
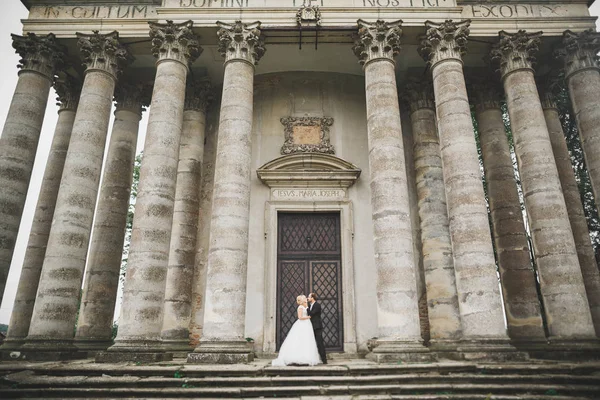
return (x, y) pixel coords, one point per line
(177, 42)
(134, 97)
(40, 54)
(103, 52)
(198, 94)
(68, 90)
(418, 93)
(446, 40)
(378, 40)
(579, 51)
(515, 51)
(241, 42)
(486, 91)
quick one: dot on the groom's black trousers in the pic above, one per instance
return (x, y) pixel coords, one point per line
(320, 344)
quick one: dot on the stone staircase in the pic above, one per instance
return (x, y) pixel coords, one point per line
(343, 379)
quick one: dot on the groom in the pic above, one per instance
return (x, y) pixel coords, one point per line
(314, 311)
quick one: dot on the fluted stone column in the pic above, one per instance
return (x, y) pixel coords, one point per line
(570, 189)
(479, 301)
(41, 56)
(58, 294)
(180, 275)
(523, 311)
(94, 325)
(563, 292)
(224, 317)
(442, 298)
(399, 335)
(582, 72)
(140, 323)
(68, 95)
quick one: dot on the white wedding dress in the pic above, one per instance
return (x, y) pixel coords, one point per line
(300, 346)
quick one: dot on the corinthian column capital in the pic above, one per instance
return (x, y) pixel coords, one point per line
(198, 94)
(241, 42)
(515, 51)
(104, 52)
(133, 97)
(487, 91)
(378, 40)
(418, 93)
(40, 54)
(447, 40)
(68, 90)
(176, 42)
(579, 51)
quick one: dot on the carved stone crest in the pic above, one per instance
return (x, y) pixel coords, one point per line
(307, 135)
(308, 14)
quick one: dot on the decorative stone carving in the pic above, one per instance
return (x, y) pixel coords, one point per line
(418, 93)
(445, 40)
(579, 50)
(198, 94)
(487, 91)
(133, 97)
(515, 51)
(104, 52)
(68, 90)
(41, 54)
(307, 14)
(377, 40)
(172, 41)
(307, 135)
(240, 41)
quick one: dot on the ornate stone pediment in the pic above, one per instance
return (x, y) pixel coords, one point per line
(308, 171)
(307, 135)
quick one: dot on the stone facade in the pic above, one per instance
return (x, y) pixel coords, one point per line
(256, 118)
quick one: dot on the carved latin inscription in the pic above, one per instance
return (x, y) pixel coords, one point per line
(92, 12)
(499, 10)
(308, 194)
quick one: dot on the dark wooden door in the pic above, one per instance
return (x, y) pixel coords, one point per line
(309, 260)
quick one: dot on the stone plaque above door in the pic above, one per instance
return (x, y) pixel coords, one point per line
(307, 135)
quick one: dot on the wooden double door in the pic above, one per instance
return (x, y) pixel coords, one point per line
(309, 260)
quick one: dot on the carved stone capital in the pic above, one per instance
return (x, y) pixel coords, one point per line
(378, 40)
(447, 40)
(198, 94)
(103, 52)
(515, 51)
(579, 51)
(177, 42)
(549, 86)
(241, 42)
(307, 135)
(486, 90)
(418, 93)
(68, 90)
(133, 97)
(40, 54)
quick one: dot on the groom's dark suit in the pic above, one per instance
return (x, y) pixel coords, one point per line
(314, 312)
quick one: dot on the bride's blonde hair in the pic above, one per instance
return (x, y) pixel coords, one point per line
(301, 299)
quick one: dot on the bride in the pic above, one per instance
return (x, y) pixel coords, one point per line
(299, 347)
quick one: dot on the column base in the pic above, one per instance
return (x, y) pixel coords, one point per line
(145, 351)
(576, 349)
(485, 349)
(179, 347)
(90, 344)
(221, 352)
(44, 349)
(12, 343)
(391, 350)
(446, 349)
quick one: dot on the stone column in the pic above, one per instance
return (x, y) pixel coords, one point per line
(397, 299)
(68, 96)
(224, 318)
(442, 298)
(563, 291)
(581, 234)
(180, 275)
(55, 310)
(94, 325)
(582, 72)
(523, 311)
(41, 56)
(175, 46)
(480, 303)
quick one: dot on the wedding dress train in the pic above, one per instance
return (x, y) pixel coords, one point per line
(299, 347)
